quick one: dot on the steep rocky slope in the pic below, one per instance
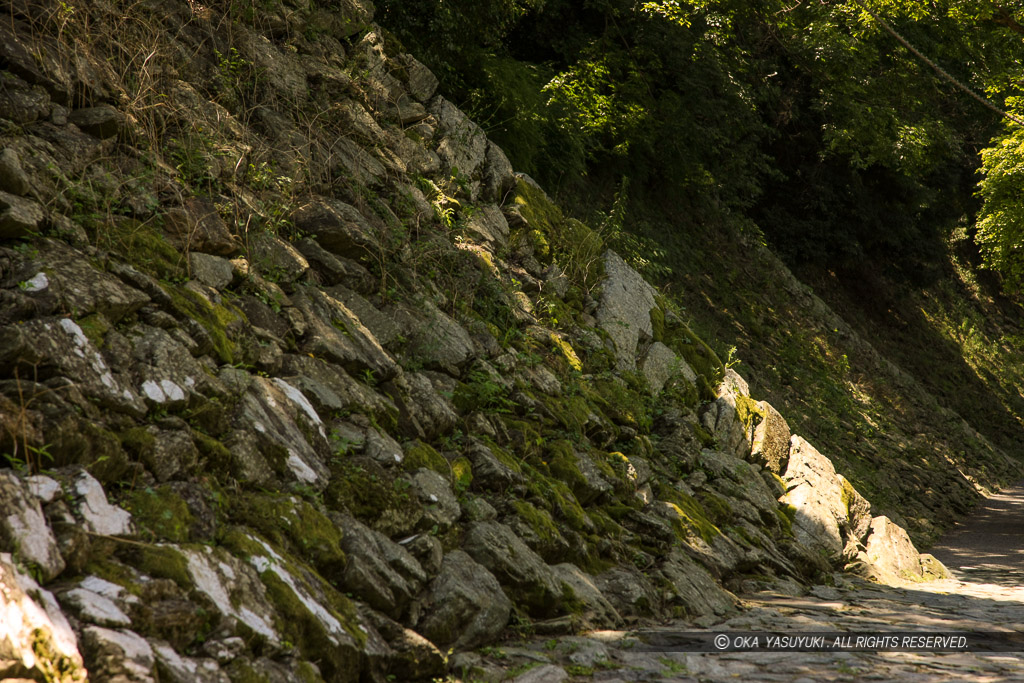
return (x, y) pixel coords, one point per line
(300, 381)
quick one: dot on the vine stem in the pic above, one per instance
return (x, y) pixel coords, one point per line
(938, 69)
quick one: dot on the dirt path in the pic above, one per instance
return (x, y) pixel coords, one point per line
(986, 554)
(989, 545)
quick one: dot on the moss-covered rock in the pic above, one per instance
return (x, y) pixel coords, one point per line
(295, 524)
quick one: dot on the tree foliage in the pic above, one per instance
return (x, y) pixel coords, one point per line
(809, 118)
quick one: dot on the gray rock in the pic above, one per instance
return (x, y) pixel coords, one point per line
(548, 673)
(19, 217)
(498, 177)
(233, 588)
(440, 506)
(280, 69)
(630, 591)
(36, 639)
(421, 81)
(172, 453)
(268, 434)
(24, 530)
(334, 332)
(94, 608)
(83, 289)
(45, 488)
(276, 259)
(692, 590)
(478, 510)
(102, 121)
(770, 444)
(891, 554)
(379, 571)
(528, 578)
(13, 178)
(595, 610)
(462, 144)
(212, 271)
(659, 365)
(89, 502)
(490, 226)
(198, 227)
(624, 311)
(382, 325)
(120, 654)
(412, 657)
(169, 374)
(740, 479)
(330, 389)
(427, 550)
(334, 270)
(423, 413)
(488, 471)
(382, 448)
(179, 669)
(858, 511)
(816, 493)
(723, 421)
(464, 607)
(337, 227)
(435, 340)
(23, 103)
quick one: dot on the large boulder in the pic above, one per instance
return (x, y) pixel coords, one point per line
(24, 531)
(339, 227)
(815, 493)
(771, 439)
(36, 640)
(529, 579)
(464, 606)
(624, 310)
(379, 571)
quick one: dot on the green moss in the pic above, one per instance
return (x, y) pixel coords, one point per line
(161, 514)
(367, 491)
(717, 509)
(606, 526)
(462, 473)
(240, 671)
(294, 524)
(658, 323)
(538, 520)
(142, 245)
(215, 452)
(162, 562)
(95, 327)
(749, 412)
(622, 403)
(691, 513)
(555, 495)
(214, 318)
(706, 438)
(137, 441)
(98, 449)
(567, 351)
(571, 413)
(419, 454)
(785, 521)
(571, 243)
(302, 628)
(699, 356)
(525, 436)
(562, 462)
(506, 458)
(107, 568)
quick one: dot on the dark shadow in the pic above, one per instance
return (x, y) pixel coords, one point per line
(988, 546)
